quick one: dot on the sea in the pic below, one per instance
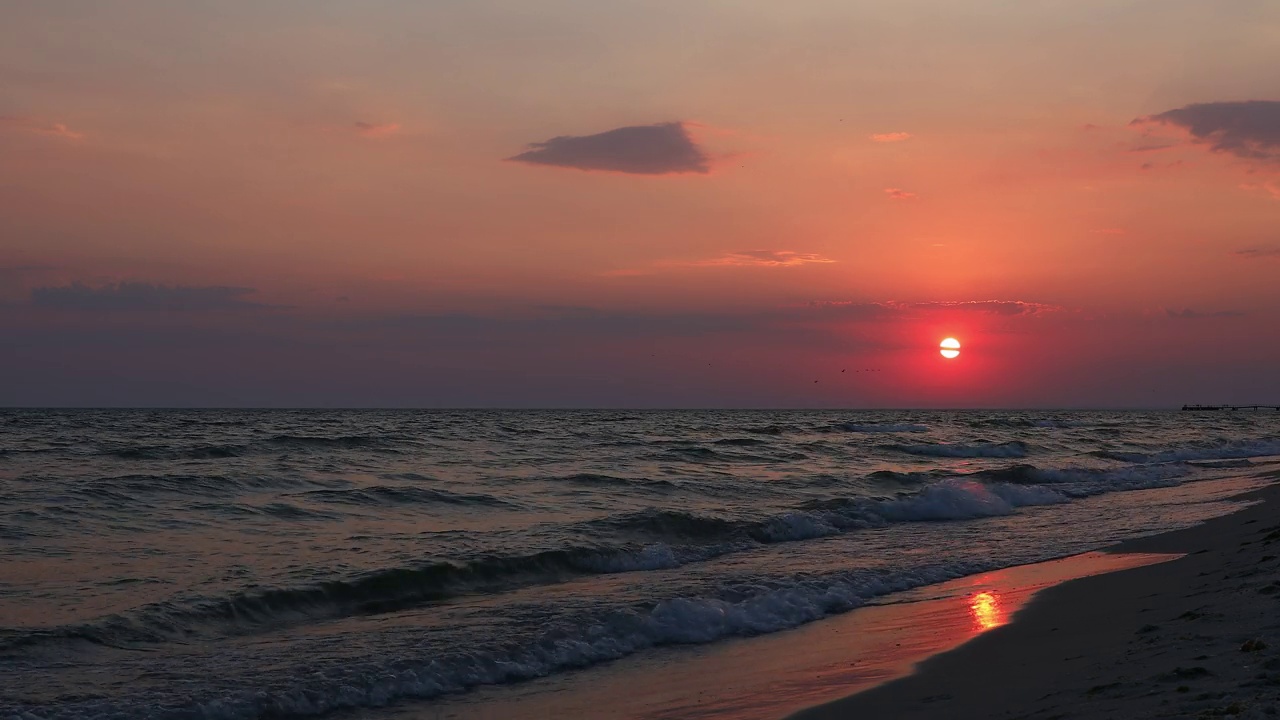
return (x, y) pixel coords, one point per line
(246, 564)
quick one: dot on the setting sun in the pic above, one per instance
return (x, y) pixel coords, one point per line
(950, 348)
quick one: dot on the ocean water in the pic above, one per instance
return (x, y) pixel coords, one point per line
(275, 564)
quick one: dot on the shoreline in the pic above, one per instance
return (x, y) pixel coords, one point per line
(1198, 636)
(769, 676)
(816, 667)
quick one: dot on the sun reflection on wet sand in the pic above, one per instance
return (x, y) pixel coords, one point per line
(985, 607)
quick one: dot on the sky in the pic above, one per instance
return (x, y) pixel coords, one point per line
(703, 203)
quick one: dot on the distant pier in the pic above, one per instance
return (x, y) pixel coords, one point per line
(1231, 407)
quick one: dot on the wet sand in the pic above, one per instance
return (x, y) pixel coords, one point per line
(1195, 637)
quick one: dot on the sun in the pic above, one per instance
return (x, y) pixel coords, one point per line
(950, 348)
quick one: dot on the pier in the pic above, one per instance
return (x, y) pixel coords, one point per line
(1231, 407)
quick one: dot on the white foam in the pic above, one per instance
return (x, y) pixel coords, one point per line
(959, 499)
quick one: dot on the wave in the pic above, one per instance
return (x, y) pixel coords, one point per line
(274, 444)
(157, 452)
(1013, 449)
(694, 452)
(768, 429)
(598, 637)
(370, 593)
(652, 539)
(881, 427)
(960, 498)
(968, 499)
(1083, 482)
(382, 495)
(661, 539)
(365, 442)
(596, 479)
(1218, 450)
(1043, 423)
(909, 479)
(199, 485)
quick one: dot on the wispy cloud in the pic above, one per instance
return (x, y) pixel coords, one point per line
(1270, 188)
(142, 296)
(1259, 251)
(1189, 314)
(891, 137)
(661, 149)
(737, 258)
(1008, 308)
(1248, 129)
(764, 258)
(991, 307)
(900, 194)
(38, 127)
(376, 130)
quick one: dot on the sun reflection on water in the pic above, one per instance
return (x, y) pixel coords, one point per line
(985, 607)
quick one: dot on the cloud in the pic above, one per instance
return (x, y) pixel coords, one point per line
(142, 296)
(1260, 251)
(37, 127)
(737, 258)
(376, 130)
(1248, 129)
(662, 149)
(991, 307)
(891, 137)
(1006, 308)
(900, 194)
(1270, 188)
(1189, 314)
(764, 258)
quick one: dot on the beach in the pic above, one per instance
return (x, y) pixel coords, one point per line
(1194, 637)
(1180, 624)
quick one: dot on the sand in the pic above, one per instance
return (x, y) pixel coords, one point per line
(1196, 637)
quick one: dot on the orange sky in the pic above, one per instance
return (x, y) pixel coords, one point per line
(639, 203)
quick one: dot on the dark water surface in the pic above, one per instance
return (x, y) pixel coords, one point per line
(254, 564)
